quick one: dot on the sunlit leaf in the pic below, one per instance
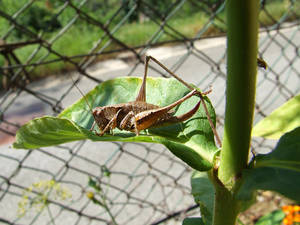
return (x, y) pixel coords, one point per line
(277, 171)
(282, 120)
(192, 141)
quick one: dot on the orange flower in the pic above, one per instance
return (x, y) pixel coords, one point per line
(292, 214)
(287, 222)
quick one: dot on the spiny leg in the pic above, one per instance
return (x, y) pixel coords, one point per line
(127, 119)
(169, 107)
(188, 114)
(148, 57)
(95, 123)
(93, 126)
(142, 92)
(191, 88)
(181, 118)
(147, 118)
(111, 124)
(136, 130)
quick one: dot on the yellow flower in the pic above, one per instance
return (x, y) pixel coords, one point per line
(90, 195)
(37, 195)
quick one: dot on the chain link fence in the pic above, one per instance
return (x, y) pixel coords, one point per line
(133, 183)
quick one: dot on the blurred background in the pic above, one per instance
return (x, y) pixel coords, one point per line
(44, 42)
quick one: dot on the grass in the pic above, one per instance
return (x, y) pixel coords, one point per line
(139, 33)
(80, 38)
(275, 11)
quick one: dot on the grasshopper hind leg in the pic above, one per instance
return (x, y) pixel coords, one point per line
(188, 114)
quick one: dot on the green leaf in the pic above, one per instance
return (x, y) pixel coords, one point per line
(192, 141)
(282, 120)
(277, 171)
(193, 221)
(203, 192)
(93, 184)
(273, 218)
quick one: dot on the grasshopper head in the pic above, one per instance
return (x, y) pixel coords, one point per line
(99, 117)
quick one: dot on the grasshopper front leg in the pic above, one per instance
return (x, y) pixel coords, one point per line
(112, 124)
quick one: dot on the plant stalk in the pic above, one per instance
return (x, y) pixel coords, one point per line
(242, 24)
(242, 19)
(226, 208)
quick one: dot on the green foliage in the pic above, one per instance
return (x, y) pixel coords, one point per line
(203, 192)
(105, 171)
(193, 221)
(98, 197)
(277, 171)
(93, 184)
(273, 218)
(282, 120)
(38, 19)
(192, 141)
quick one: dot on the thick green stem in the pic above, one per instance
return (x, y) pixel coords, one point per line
(242, 20)
(226, 208)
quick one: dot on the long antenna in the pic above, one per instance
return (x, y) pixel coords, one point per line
(90, 108)
(75, 84)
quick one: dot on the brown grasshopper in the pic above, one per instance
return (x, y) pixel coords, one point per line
(139, 115)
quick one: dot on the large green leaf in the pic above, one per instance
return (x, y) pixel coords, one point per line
(203, 192)
(277, 171)
(282, 120)
(192, 140)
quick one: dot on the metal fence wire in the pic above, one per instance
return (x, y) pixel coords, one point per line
(98, 40)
